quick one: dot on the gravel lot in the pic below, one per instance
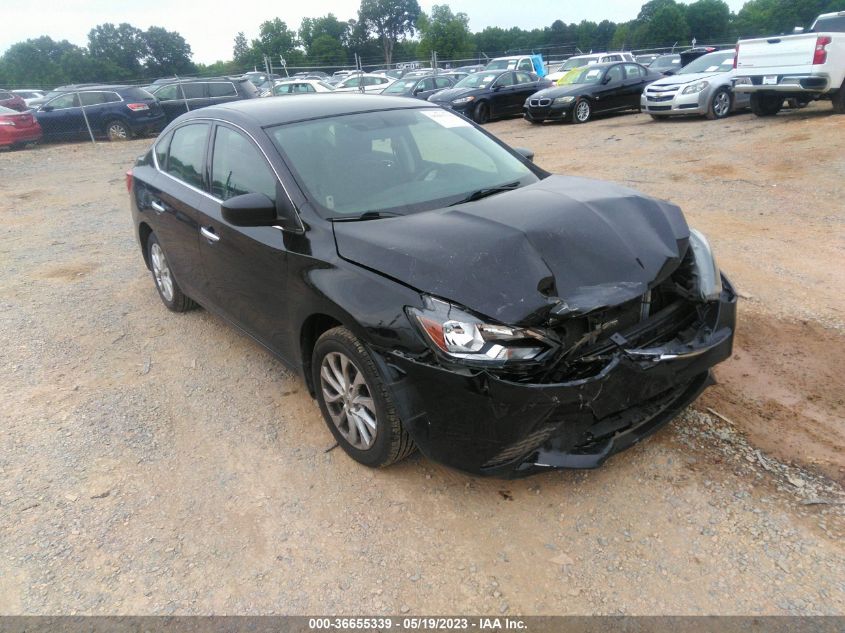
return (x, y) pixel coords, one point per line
(154, 463)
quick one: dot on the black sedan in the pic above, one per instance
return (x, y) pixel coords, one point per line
(590, 90)
(419, 87)
(433, 287)
(490, 95)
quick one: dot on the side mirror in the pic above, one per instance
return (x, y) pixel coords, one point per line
(668, 73)
(256, 209)
(496, 88)
(798, 30)
(607, 79)
(525, 152)
(46, 108)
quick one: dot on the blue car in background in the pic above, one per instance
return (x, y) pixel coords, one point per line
(113, 112)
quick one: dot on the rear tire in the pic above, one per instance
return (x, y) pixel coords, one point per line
(838, 100)
(171, 294)
(117, 130)
(720, 104)
(356, 404)
(766, 104)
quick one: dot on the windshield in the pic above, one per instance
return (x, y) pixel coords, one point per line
(394, 161)
(667, 61)
(400, 87)
(477, 80)
(501, 64)
(587, 75)
(712, 63)
(576, 62)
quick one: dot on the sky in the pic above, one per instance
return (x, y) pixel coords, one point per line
(210, 26)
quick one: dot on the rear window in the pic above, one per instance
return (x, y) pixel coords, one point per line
(135, 94)
(222, 89)
(833, 24)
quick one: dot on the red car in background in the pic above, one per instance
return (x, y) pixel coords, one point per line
(13, 101)
(18, 128)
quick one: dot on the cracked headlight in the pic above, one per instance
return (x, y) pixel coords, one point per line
(564, 100)
(695, 88)
(463, 100)
(459, 335)
(708, 277)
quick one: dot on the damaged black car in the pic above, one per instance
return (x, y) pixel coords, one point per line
(434, 287)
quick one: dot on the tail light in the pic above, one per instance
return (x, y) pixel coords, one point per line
(129, 181)
(736, 53)
(137, 107)
(820, 55)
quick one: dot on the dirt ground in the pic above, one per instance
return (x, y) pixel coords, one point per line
(153, 463)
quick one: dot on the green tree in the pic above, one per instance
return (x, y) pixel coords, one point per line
(326, 50)
(276, 40)
(666, 26)
(709, 20)
(390, 21)
(240, 51)
(122, 45)
(445, 32)
(313, 28)
(167, 53)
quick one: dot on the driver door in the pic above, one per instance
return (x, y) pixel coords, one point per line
(609, 95)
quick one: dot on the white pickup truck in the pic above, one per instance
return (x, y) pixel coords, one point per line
(802, 67)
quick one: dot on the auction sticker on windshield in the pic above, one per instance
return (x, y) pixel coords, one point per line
(446, 119)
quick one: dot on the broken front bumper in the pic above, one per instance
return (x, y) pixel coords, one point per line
(487, 425)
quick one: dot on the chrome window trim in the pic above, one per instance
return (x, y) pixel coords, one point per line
(206, 193)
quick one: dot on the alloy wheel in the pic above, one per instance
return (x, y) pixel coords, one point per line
(582, 111)
(349, 400)
(117, 132)
(721, 104)
(161, 272)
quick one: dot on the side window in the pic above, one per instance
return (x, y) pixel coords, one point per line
(614, 73)
(353, 83)
(427, 84)
(187, 153)
(282, 89)
(65, 101)
(523, 78)
(162, 145)
(526, 64)
(442, 82)
(168, 93)
(111, 97)
(192, 91)
(632, 71)
(92, 98)
(505, 80)
(222, 89)
(238, 167)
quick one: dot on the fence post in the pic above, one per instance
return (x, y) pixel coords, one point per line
(85, 116)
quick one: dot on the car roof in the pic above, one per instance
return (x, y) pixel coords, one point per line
(269, 112)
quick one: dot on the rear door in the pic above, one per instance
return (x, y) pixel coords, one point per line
(177, 197)
(221, 92)
(634, 84)
(94, 103)
(245, 267)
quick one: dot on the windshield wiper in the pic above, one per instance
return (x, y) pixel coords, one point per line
(489, 191)
(368, 215)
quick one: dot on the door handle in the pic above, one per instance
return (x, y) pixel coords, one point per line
(209, 234)
(157, 206)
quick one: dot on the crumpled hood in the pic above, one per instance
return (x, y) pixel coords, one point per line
(682, 80)
(564, 243)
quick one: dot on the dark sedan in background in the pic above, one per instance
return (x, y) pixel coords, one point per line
(596, 89)
(490, 95)
(434, 288)
(419, 87)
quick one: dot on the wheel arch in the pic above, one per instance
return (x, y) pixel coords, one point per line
(313, 327)
(144, 232)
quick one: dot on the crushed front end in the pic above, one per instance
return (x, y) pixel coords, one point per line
(611, 377)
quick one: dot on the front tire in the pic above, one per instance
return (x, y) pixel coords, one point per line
(356, 405)
(720, 104)
(582, 112)
(765, 105)
(481, 114)
(171, 294)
